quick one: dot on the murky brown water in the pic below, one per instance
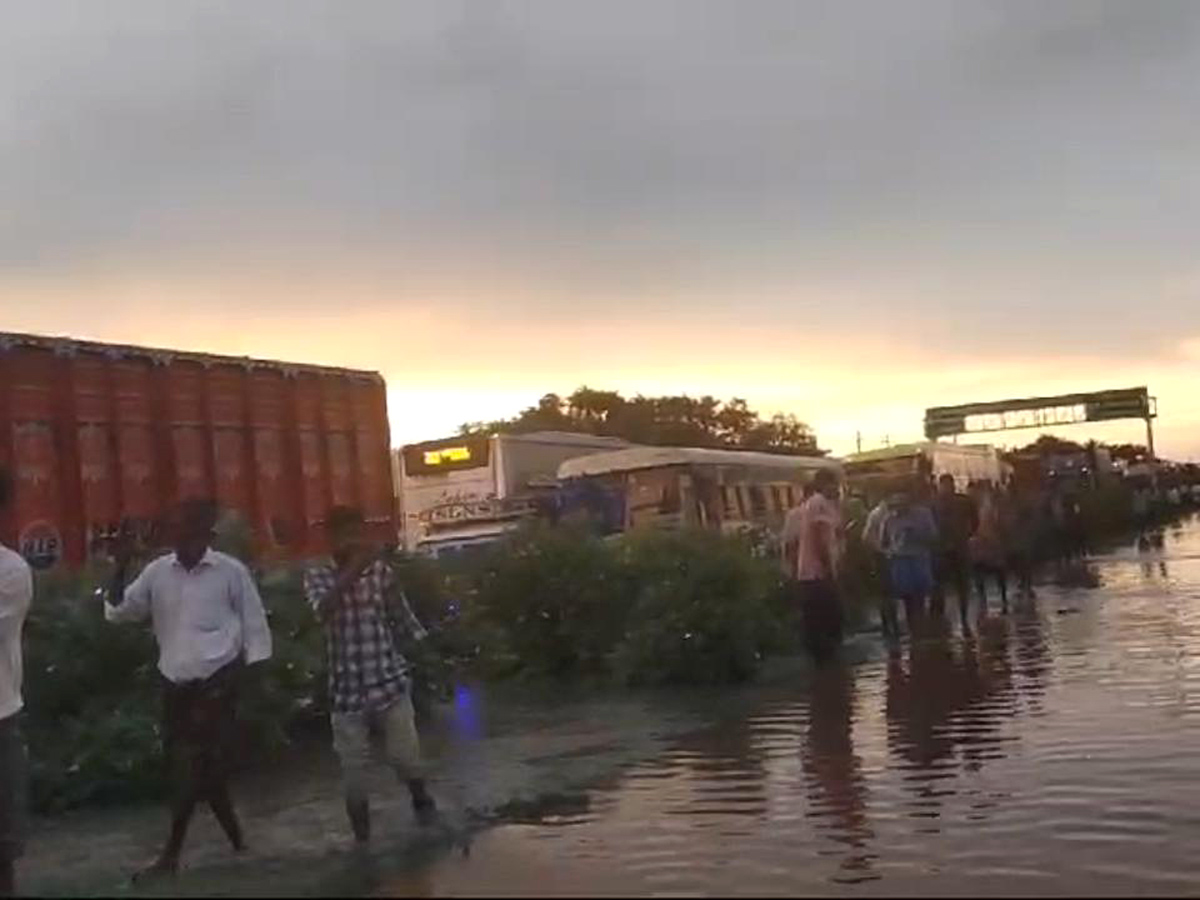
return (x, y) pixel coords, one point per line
(1055, 749)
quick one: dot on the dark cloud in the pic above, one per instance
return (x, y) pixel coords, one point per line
(939, 161)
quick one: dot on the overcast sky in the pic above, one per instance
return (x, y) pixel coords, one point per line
(849, 211)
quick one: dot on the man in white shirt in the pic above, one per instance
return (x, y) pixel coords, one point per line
(209, 622)
(16, 594)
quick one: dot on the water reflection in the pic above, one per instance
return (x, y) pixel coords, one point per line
(1042, 749)
(834, 782)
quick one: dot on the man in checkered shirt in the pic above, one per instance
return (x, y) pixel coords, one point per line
(359, 602)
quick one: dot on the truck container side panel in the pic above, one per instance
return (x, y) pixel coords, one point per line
(226, 411)
(100, 434)
(99, 470)
(186, 431)
(191, 458)
(335, 422)
(142, 467)
(98, 473)
(281, 510)
(374, 476)
(91, 387)
(341, 476)
(37, 496)
(232, 478)
(277, 517)
(374, 457)
(32, 381)
(314, 462)
(226, 397)
(71, 514)
(134, 393)
(8, 520)
(166, 480)
(38, 501)
(315, 500)
(254, 511)
(139, 485)
(185, 382)
(334, 406)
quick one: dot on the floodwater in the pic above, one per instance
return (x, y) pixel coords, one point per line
(1053, 749)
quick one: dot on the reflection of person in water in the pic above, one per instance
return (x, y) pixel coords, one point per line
(945, 704)
(833, 773)
(1033, 658)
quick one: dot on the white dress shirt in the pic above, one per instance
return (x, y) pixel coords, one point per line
(203, 619)
(16, 593)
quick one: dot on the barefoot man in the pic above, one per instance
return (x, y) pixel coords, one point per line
(210, 624)
(366, 617)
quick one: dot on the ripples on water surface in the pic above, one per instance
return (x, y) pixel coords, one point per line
(1050, 750)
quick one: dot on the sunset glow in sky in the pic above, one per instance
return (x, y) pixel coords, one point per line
(848, 211)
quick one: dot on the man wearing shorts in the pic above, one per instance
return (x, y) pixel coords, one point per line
(357, 598)
(16, 594)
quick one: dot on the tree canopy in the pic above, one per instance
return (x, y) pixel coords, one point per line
(679, 421)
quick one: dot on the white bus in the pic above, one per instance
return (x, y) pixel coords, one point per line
(672, 487)
(876, 470)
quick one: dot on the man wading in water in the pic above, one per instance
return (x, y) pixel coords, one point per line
(811, 547)
(357, 598)
(210, 624)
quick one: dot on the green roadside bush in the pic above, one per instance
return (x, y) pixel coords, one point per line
(91, 700)
(547, 602)
(702, 610)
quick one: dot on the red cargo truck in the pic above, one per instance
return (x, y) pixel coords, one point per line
(97, 435)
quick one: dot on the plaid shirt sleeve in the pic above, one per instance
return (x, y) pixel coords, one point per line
(318, 582)
(401, 612)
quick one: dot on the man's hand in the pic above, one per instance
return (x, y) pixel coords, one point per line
(122, 549)
(355, 566)
(347, 577)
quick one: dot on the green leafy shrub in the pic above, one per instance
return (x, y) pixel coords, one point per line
(91, 700)
(549, 602)
(703, 611)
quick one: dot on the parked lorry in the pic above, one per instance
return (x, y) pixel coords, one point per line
(104, 436)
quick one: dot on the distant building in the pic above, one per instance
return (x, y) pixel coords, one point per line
(462, 491)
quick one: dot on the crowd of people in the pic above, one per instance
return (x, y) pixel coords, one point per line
(213, 635)
(926, 540)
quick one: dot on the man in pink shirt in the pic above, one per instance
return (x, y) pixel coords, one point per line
(812, 547)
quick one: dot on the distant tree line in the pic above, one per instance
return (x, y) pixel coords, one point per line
(678, 421)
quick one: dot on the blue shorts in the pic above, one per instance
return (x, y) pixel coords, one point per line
(911, 576)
